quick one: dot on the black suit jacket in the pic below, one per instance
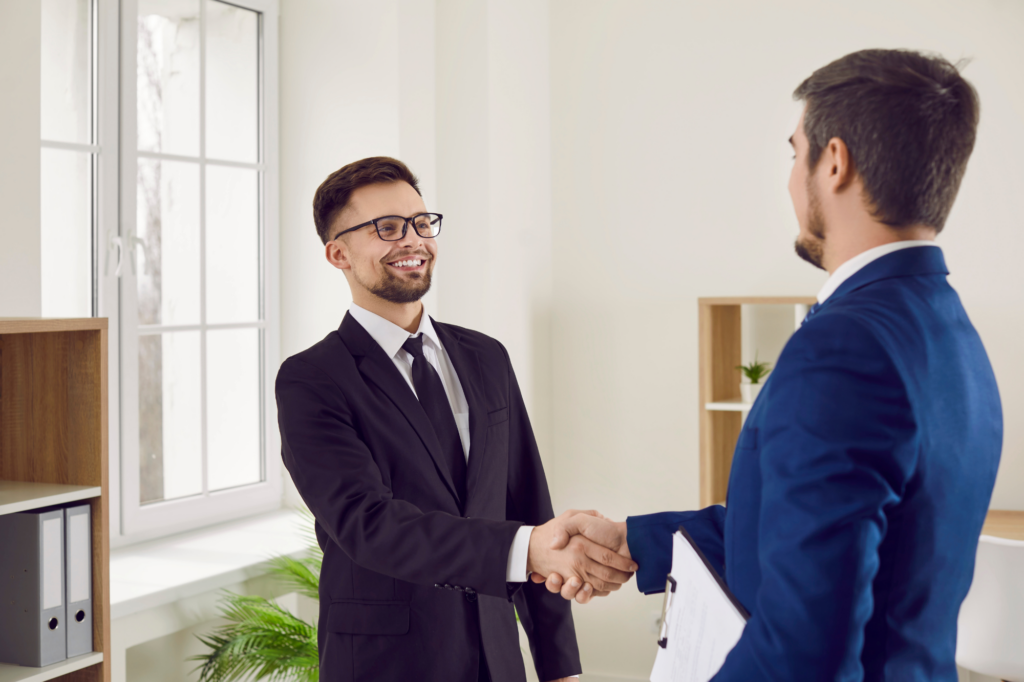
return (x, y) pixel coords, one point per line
(413, 581)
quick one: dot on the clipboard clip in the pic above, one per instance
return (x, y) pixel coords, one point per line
(670, 589)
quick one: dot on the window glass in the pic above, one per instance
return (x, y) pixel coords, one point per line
(232, 79)
(170, 416)
(233, 407)
(167, 77)
(167, 220)
(232, 245)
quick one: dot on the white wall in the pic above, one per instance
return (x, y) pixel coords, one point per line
(494, 182)
(20, 284)
(676, 115)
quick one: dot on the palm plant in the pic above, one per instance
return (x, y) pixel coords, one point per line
(261, 638)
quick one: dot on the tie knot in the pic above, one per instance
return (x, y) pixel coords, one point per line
(414, 346)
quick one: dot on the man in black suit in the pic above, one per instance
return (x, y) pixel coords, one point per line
(409, 441)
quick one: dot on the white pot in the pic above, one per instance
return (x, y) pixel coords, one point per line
(749, 391)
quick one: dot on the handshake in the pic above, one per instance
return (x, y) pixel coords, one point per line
(581, 555)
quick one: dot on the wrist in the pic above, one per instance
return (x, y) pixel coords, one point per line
(623, 529)
(531, 552)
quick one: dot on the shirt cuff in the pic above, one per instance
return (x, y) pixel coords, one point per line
(517, 556)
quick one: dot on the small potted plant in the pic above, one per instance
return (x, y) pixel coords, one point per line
(752, 375)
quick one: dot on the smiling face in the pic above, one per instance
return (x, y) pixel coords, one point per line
(803, 190)
(395, 271)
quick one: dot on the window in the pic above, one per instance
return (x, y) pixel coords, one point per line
(197, 291)
(68, 158)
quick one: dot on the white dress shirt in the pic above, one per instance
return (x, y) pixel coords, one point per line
(390, 337)
(847, 269)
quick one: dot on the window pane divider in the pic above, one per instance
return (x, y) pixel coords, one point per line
(196, 159)
(70, 146)
(165, 328)
(204, 427)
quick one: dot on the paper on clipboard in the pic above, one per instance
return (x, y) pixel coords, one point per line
(701, 623)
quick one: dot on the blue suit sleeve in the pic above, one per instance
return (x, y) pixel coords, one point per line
(650, 542)
(838, 447)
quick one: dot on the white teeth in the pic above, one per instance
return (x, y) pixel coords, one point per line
(407, 263)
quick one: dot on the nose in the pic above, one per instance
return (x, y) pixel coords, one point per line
(411, 239)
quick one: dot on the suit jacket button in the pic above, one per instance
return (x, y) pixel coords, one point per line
(448, 587)
(437, 586)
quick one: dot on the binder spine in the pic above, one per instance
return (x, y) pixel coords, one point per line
(78, 573)
(32, 628)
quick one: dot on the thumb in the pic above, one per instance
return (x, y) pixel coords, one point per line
(560, 532)
(574, 525)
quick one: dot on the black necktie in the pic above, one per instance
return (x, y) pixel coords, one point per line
(434, 400)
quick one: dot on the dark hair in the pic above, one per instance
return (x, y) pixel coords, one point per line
(909, 121)
(334, 193)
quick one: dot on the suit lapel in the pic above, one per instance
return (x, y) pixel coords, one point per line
(376, 366)
(467, 365)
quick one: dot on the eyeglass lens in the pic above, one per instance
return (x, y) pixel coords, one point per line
(391, 228)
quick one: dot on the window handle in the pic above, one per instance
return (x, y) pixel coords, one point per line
(130, 243)
(113, 242)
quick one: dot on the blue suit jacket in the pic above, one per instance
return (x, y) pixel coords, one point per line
(858, 488)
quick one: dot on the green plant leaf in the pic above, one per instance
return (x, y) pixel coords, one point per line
(261, 639)
(755, 371)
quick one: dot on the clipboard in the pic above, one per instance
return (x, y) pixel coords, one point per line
(701, 618)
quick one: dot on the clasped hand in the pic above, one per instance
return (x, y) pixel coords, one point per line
(580, 554)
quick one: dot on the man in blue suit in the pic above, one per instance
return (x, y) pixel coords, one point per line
(863, 473)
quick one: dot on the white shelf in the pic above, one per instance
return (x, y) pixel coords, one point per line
(18, 496)
(729, 406)
(18, 673)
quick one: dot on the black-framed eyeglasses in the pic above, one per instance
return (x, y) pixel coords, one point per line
(392, 228)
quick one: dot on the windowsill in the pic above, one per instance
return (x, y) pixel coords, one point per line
(159, 572)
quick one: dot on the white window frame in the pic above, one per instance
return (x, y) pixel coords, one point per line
(101, 157)
(141, 522)
(105, 228)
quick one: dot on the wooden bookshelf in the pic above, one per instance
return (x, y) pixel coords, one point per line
(1008, 525)
(721, 409)
(53, 449)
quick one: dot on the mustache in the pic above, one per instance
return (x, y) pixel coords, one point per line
(402, 256)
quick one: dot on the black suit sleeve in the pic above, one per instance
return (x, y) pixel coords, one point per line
(341, 484)
(546, 617)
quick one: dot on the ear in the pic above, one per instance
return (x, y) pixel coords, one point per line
(338, 254)
(837, 165)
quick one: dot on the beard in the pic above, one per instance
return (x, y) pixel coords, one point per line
(397, 290)
(812, 247)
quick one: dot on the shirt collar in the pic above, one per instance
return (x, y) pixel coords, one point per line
(389, 335)
(850, 267)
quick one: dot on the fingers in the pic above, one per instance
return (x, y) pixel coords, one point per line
(607, 557)
(537, 578)
(554, 583)
(571, 588)
(561, 532)
(569, 513)
(584, 595)
(598, 529)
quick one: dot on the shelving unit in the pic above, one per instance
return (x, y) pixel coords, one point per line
(18, 496)
(721, 409)
(53, 450)
(62, 670)
(728, 406)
